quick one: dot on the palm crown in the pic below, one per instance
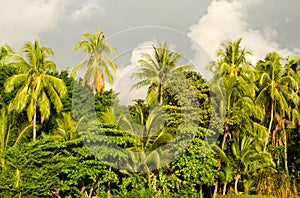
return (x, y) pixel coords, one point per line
(156, 70)
(36, 89)
(98, 63)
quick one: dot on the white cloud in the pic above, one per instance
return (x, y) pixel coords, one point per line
(25, 20)
(228, 21)
(123, 82)
(86, 12)
(143, 48)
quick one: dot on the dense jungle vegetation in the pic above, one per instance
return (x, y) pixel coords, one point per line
(52, 145)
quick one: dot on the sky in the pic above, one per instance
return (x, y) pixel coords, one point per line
(194, 27)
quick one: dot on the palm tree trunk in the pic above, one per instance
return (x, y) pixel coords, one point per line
(108, 192)
(270, 125)
(93, 185)
(222, 147)
(154, 183)
(34, 124)
(149, 178)
(201, 191)
(285, 151)
(160, 94)
(224, 188)
(237, 177)
(216, 189)
(224, 138)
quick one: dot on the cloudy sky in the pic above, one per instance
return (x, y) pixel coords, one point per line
(193, 26)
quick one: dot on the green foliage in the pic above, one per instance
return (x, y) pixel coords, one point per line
(91, 146)
(53, 168)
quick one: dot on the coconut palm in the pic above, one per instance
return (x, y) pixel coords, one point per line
(233, 76)
(36, 89)
(247, 157)
(233, 69)
(276, 90)
(66, 127)
(232, 62)
(148, 129)
(150, 134)
(156, 70)
(232, 56)
(99, 64)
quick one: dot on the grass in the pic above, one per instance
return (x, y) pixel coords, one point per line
(245, 196)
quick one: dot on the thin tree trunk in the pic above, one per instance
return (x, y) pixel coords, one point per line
(34, 124)
(224, 188)
(237, 177)
(216, 189)
(222, 147)
(224, 140)
(108, 192)
(160, 94)
(93, 185)
(149, 178)
(201, 191)
(285, 151)
(154, 183)
(270, 125)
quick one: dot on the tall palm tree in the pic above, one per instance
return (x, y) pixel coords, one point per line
(156, 70)
(36, 89)
(233, 72)
(276, 89)
(232, 60)
(99, 64)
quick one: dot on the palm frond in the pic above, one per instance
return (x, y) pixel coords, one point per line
(14, 81)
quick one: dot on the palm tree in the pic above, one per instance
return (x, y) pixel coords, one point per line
(156, 70)
(232, 60)
(98, 63)
(234, 74)
(36, 89)
(233, 69)
(247, 157)
(227, 176)
(150, 134)
(276, 89)
(66, 127)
